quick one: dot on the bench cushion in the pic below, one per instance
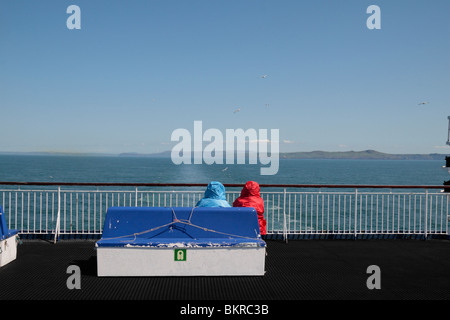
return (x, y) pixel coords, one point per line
(172, 227)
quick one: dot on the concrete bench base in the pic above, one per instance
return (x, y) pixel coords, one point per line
(8, 250)
(135, 262)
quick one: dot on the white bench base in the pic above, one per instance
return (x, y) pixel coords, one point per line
(8, 250)
(148, 261)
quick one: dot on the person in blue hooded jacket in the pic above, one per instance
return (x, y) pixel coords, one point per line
(214, 196)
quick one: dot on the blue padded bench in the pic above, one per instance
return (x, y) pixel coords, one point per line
(164, 241)
(8, 243)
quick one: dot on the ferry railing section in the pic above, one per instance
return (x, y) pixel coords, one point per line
(291, 211)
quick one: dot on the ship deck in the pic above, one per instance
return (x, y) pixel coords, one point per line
(297, 270)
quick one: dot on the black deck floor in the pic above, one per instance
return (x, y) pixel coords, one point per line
(299, 270)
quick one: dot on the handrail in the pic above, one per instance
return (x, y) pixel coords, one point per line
(62, 208)
(230, 185)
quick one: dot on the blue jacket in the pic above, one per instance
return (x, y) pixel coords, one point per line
(214, 196)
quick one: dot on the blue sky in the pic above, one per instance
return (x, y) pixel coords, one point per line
(138, 70)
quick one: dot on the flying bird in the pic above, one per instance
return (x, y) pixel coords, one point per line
(264, 76)
(237, 110)
(422, 103)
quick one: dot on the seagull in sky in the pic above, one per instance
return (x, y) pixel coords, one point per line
(264, 76)
(422, 103)
(237, 110)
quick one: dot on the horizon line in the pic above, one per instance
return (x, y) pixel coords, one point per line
(168, 152)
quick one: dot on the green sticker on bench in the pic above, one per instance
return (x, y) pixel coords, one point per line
(180, 255)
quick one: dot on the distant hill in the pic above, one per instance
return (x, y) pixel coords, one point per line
(165, 154)
(364, 155)
(58, 153)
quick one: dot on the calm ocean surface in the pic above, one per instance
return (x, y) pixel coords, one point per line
(28, 211)
(162, 170)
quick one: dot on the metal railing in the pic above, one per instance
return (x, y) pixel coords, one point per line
(36, 208)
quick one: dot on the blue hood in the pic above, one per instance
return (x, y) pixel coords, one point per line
(214, 196)
(215, 190)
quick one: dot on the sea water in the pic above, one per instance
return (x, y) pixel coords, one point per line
(35, 211)
(116, 169)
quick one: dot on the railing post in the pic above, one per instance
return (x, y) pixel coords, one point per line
(284, 216)
(447, 215)
(356, 211)
(426, 213)
(136, 200)
(58, 217)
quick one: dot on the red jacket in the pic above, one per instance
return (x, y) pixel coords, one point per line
(250, 197)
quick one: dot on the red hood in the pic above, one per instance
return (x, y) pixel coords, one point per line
(251, 188)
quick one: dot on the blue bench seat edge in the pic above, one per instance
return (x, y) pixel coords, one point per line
(10, 233)
(181, 243)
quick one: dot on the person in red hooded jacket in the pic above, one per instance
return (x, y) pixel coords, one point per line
(250, 197)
